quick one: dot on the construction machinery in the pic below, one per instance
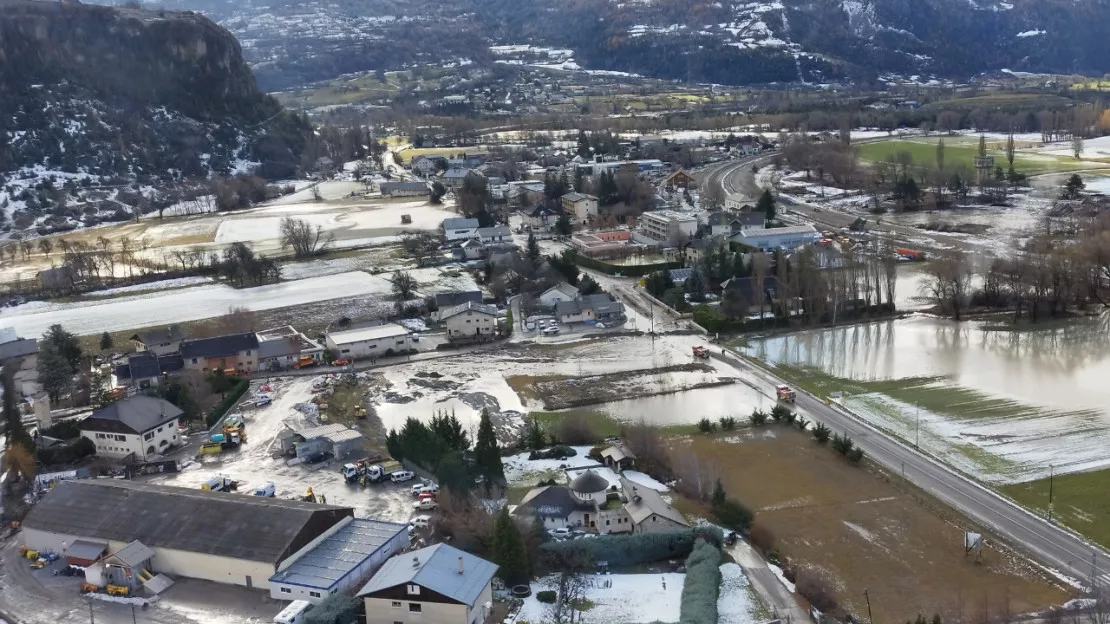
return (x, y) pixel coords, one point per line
(266, 491)
(701, 353)
(220, 483)
(210, 448)
(785, 394)
(359, 470)
(309, 496)
(119, 590)
(382, 471)
(305, 361)
(89, 588)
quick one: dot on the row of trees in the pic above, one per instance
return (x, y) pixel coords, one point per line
(442, 447)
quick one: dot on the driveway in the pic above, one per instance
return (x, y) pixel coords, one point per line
(782, 602)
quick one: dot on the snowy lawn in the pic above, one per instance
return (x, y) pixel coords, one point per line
(618, 599)
(644, 480)
(736, 603)
(520, 469)
(178, 282)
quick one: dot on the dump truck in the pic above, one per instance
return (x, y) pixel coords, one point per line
(305, 361)
(227, 441)
(380, 472)
(785, 394)
(220, 483)
(210, 448)
(701, 352)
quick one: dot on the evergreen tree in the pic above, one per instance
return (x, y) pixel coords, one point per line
(13, 421)
(766, 204)
(563, 226)
(452, 474)
(579, 180)
(718, 496)
(533, 437)
(739, 267)
(105, 341)
(583, 144)
(64, 343)
(533, 249)
(508, 550)
(1074, 186)
(55, 372)
(487, 454)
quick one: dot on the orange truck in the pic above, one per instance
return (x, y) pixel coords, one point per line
(785, 394)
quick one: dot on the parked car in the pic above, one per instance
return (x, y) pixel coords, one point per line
(421, 522)
(340, 362)
(560, 533)
(402, 476)
(426, 504)
(427, 496)
(418, 488)
(551, 330)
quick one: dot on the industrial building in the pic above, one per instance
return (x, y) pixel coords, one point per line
(214, 536)
(352, 551)
(373, 341)
(767, 239)
(339, 441)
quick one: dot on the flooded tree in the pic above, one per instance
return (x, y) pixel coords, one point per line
(948, 283)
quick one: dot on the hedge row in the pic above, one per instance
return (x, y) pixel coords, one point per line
(637, 548)
(217, 412)
(629, 270)
(702, 586)
(713, 320)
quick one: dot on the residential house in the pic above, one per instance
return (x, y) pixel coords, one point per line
(281, 348)
(738, 202)
(439, 584)
(540, 218)
(446, 301)
(532, 191)
(696, 250)
(495, 234)
(471, 249)
(470, 320)
(581, 205)
(138, 427)
(619, 458)
(457, 229)
(405, 189)
(557, 293)
(234, 352)
(426, 166)
(589, 502)
(679, 179)
(768, 239)
(725, 224)
(22, 353)
(648, 511)
(453, 178)
(748, 290)
(145, 369)
(161, 341)
(590, 309)
(666, 227)
(370, 341)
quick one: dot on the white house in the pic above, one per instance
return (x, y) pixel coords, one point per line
(559, 292)
(468, 320)
(458, 229)
(439, 584)
(581, 505)
(374, 341)
(496, 234)
(581, 205)
(139, 427)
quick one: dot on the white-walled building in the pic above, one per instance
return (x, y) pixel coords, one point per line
(470, 320)
(139, 427)
(439, 584)
(374, 341)
(201, 534)
(667, 227)
(580, 207)
(457, 229)
(558, 293)
(767, 239)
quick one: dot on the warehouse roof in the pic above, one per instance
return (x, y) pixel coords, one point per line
(436, 568)
(376, 332)
(136, 414)
(334, 432)
(216, 523)
(339, 555)
(782, 231)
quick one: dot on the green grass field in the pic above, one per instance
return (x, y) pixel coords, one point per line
(961, 152)
(1079, 502)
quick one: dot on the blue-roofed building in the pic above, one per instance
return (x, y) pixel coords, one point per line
(352, 551)
(440, 584)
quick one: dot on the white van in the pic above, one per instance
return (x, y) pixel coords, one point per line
(421, 522)
(403, 475)
(294, 613)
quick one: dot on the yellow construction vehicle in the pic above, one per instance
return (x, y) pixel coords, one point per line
(119, 590)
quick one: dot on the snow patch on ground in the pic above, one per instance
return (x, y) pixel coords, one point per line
(618, 599)
(150, 286)
(735, 605)
(520, 469)
(777, 571)
(644, 480)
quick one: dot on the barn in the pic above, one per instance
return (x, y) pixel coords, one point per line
(215, 536)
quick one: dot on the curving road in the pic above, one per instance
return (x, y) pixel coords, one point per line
(1051, 545)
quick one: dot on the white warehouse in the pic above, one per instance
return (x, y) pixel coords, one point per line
(213, 536)
(366, 342)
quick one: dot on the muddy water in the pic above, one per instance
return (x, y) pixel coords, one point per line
(690, 406)
(1062, 365)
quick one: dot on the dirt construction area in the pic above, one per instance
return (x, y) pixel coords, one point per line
(864, 532)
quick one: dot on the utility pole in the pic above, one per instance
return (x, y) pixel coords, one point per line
(870, 619)
(91, 619)
(917, 428)
(133, 620)
(1050, 474)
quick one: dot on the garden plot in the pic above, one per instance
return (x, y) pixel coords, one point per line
(865, 532)
(617, 599)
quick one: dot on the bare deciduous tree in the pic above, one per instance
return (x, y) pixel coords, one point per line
(305, 240)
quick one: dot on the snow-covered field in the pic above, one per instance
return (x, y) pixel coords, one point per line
(186, 304)
(178, 282)
(520, 469)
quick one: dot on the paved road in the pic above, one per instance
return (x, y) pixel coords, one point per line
(783, 604)
(1049, 544)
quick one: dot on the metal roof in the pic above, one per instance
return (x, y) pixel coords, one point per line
(788, 230)
(334, 432)
(436, 568)
(237, 526)
(644, 501)
(133, 554)
(219, 346)
(135, 414)
(86, 549)
(337, 556)
(377, 332)
(468, 307)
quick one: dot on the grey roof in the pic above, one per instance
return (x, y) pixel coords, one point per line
(577, 197)
(589, 482)
(251, 528)
(618, 453)
(460, 223)
(18, 348)
(220, 346)
(449, 299)
(389, 187)
(339, 555)
(719, 218)
(159, 335)
(552, 501)
(287, 345)
(86, 549)
(644, 501)
(456, 173)
(436, 568)
(497, 230)
(133, 554)
(564, 288)
(755, 219)
(747, 286)
(466, 307)
(334, 432)
(135, 414)
(600, 304)
(539, 210)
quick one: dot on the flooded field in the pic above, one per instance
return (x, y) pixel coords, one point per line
(998, 402)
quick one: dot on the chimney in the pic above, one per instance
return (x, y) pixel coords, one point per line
(460, 566)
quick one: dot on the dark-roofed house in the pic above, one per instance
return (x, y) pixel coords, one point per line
(145, 369)
(234, 352)
(590, 309)
(556, 507)
(137, 427)
(352, 550)
(447, 300)
(469, 320)
(581, 205)
(22, 353)
(439, 584)
(161, 341)
(214, 536)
